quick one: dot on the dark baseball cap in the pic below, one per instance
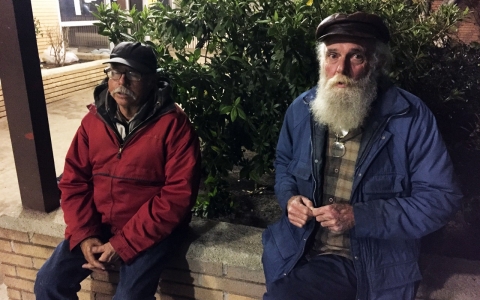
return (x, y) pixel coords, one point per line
(358, 24)
(138, 56)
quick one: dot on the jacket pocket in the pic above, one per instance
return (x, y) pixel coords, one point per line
(282, 238)
(394, 276)
(384, 186)
(299, 169)
(279, 249)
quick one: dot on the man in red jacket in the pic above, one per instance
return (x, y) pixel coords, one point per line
(130, 180)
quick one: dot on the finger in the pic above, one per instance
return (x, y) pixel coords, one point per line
(317, 212)
(97, 249)
(297, 224)
(103, 258)
(299, 219)
(294, 220)
(332, 227)
(89, 256)
(309, 210)
(88, 266)
(94, 262)
(299, 212)
(327, 212)
(106, 257)
(307, 202)
(304, 210)
(328, 223)
(92, 268)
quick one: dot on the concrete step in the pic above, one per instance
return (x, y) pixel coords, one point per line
(447, 278)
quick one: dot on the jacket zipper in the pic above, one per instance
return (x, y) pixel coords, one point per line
(119, 154)
(140, 126)
(300, 254)
(314, 179)
(362, 245)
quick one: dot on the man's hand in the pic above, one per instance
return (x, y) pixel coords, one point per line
(299, 210)
(336, 217)
(87, 246)
(109, 256)
(108, 259)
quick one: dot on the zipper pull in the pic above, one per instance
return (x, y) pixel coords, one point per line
(119, 154)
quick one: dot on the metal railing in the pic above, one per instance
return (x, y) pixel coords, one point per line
(86, 36)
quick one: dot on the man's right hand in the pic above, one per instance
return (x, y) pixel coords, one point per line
(299, 210)
(87, 247)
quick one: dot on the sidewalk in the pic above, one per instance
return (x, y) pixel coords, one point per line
(64, 118)
(444, 278)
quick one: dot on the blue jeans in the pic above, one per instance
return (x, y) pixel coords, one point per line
(60, 276)
(324, 277)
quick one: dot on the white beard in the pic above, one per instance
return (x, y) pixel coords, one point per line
(343, 108)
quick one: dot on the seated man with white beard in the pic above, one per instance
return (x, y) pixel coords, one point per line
(362, 174)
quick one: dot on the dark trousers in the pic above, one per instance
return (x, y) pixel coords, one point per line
(60, 276)
(324, 277)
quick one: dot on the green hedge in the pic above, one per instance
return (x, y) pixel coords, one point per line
(252, 58)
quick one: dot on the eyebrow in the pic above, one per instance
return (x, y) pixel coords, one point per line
(124, 69)
(355, 49)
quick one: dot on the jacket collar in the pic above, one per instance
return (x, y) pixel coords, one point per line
(159, 102)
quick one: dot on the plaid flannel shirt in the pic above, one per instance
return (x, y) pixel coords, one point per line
(337, 188)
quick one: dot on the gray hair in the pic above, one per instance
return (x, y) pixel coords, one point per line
(380, 61)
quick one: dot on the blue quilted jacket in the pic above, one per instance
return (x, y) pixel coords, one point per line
(403, 189)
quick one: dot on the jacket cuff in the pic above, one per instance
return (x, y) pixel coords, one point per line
(123, 249)
(364, 219)
(75, 240)
(284, 196)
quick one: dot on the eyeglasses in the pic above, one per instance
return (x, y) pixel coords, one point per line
(116, 75)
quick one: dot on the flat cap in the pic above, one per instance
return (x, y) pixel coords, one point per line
(358, 24)
(136, 55)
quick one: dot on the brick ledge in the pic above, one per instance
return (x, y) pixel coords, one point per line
(222, 261)
(211, 241)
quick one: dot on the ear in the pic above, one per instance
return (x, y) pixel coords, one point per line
(382, 57)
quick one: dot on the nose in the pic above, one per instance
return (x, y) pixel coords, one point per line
(342, 67)
(123, 79)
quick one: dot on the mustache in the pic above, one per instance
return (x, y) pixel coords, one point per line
(340, 78)
(123, 90)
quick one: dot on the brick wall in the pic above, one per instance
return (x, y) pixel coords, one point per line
(48, 12)
(218, 261)
(469, 29)
(59, 82)
(21, 255)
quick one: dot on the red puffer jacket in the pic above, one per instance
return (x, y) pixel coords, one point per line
(143, 187)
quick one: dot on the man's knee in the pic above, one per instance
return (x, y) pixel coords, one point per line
(133, 294)
(57, 285)
(41, 282)
(60, 275)
(278, 290)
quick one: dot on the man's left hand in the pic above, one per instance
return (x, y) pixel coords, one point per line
(109, 257)
(337, 218)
